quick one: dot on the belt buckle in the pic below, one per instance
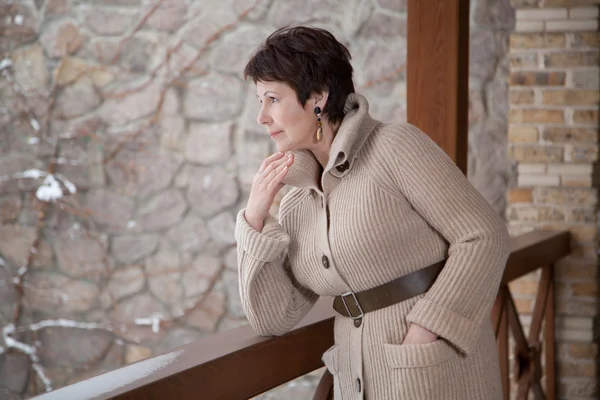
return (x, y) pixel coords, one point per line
(348, 294)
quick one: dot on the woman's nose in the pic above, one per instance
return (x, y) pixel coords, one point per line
(263, 117)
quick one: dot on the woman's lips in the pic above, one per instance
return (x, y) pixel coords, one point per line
(274, 134)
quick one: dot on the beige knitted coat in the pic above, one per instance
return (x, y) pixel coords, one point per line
(391, 202)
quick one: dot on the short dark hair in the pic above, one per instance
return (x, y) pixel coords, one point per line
(308, 59)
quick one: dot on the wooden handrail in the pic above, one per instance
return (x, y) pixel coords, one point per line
(533, 250)
(235, 364)
(530, 255)
(238, 364)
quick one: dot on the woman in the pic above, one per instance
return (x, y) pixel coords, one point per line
(379, 218)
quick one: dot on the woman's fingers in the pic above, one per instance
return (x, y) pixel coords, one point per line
(267, 182)
(273, 173)
(267, 161)
(275, 163)
(276, 181)
(277, 166)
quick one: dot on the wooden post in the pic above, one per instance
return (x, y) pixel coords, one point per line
(438, 73)
(550, 339)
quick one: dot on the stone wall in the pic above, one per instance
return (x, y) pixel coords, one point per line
(553, 142)
(492, 21)
(127, 145)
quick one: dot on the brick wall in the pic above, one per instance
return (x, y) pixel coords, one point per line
(553, 143)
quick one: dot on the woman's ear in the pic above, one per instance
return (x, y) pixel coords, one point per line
(320, 99)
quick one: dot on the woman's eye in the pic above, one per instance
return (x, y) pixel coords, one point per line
(273, 99)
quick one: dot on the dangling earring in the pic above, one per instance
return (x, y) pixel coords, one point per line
(319, 124)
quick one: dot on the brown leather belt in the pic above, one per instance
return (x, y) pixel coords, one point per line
(356, 305)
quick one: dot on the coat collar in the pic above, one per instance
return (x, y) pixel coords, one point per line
(352, 134)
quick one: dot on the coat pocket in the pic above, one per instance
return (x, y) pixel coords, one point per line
(418, 355)
(423, 371)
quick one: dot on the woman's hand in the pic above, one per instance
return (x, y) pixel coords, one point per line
(266, 184)
(418, 335)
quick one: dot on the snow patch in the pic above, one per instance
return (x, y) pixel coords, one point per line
(5, 63)
(50, 190)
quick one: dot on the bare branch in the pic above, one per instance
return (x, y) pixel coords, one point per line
(62, 323)
(385, 78)
(55, 184)
(186, 67)
(28, 350)
(29, 174)
(198, 303)
(139, 25)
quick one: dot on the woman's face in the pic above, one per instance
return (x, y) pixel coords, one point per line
(290, 125)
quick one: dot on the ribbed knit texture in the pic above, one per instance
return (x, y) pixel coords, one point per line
(400, 206)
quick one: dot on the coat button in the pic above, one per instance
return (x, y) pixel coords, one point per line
(357, 322)
(358, 385)
(325, 261)
(343, 167)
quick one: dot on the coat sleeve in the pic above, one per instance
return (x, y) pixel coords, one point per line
(272, 299)
(462, 296)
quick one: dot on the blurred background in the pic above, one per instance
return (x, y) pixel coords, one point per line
(128, 142)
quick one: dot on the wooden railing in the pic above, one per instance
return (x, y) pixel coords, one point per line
(238, 364)
(528, 253)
